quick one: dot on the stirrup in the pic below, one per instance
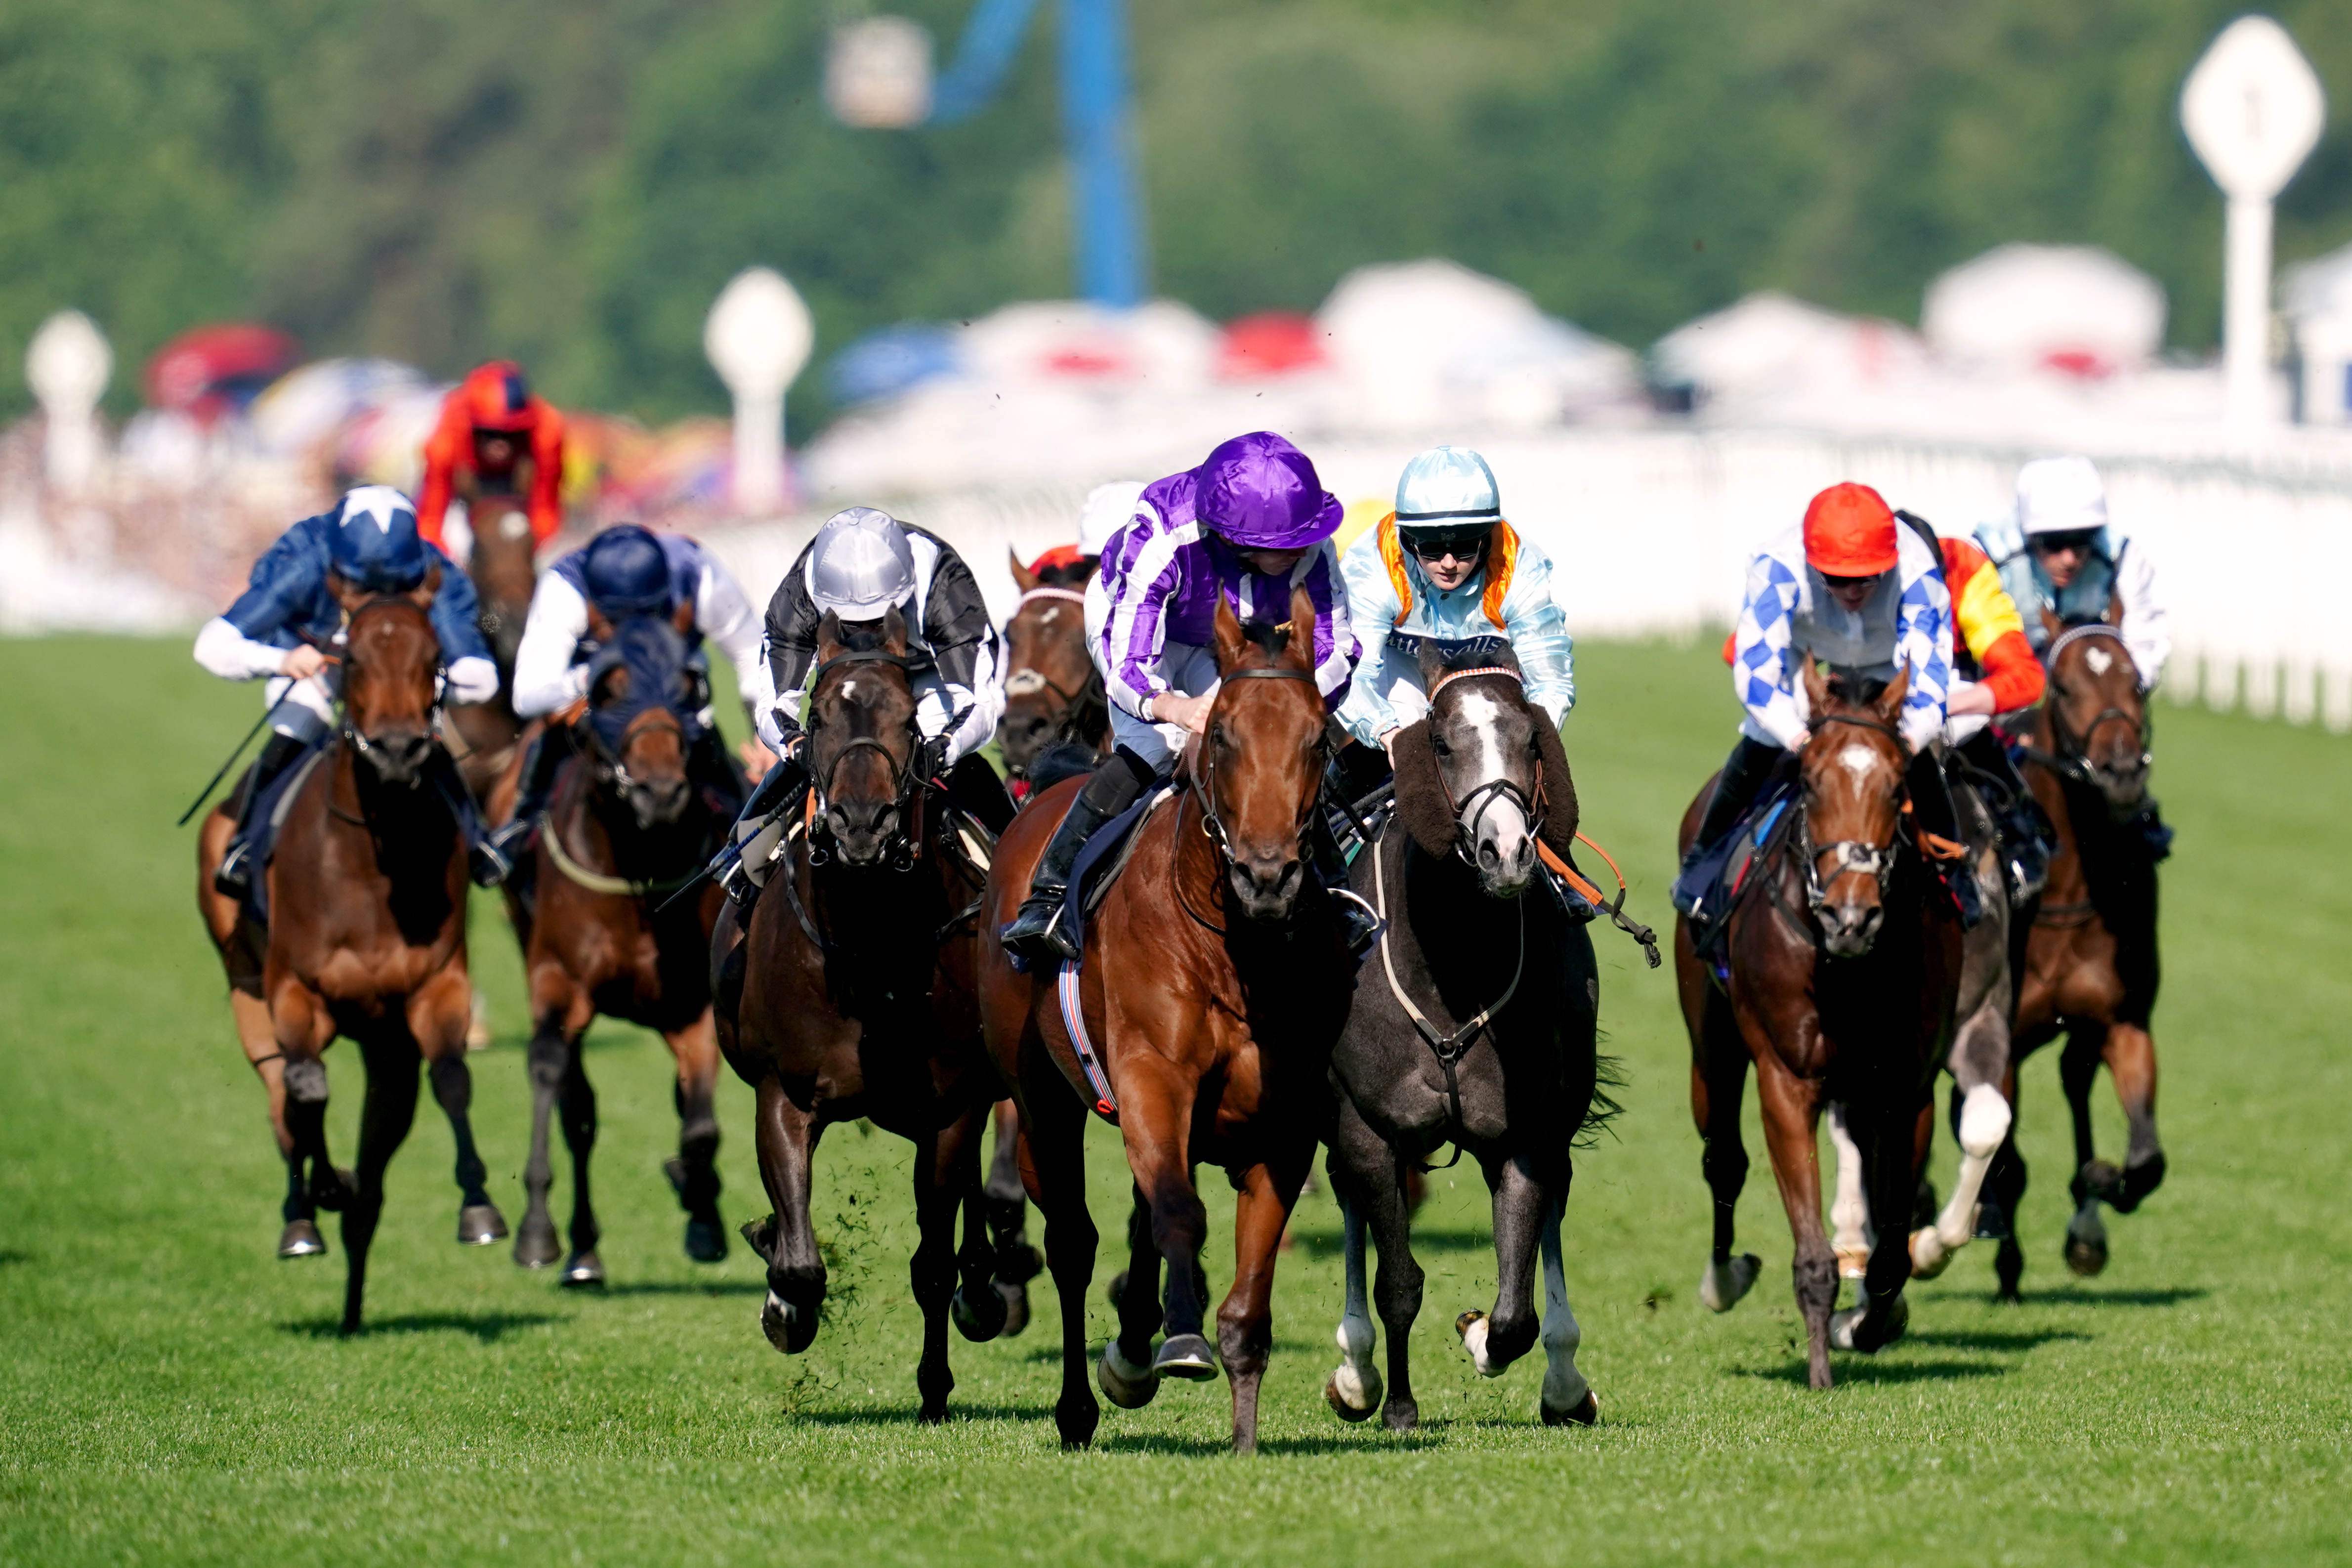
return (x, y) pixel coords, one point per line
(735, 881)
(1360, 923)
(233, 879)
(1040, 941)
(488, 866)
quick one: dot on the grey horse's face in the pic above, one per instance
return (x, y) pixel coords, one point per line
(1483, 733)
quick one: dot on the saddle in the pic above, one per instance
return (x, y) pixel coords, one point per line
(1105, 856)
(1706, 892)
(268, 816)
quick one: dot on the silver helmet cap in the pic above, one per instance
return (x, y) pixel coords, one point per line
(860, 563)
(1447, 487)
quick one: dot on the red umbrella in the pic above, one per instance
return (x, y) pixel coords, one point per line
(207, 371)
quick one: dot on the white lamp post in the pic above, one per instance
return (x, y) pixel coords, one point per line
(757, 336)
(2253, 109)
(68, 366)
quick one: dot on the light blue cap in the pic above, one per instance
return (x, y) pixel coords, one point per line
(1447, 487)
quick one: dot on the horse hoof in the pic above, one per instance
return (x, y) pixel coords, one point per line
(1853, 1331)
(581, 1270)
(1721, 1285)
(1929, 1256)
(978, 1315)
(300, 1238)
(1586, 1413)
(1353, 1395)
(706, 1240)
(335, 1190)
(537, 1247)
(478, 1225)
(1992, 1222)
(2085, 1255)
(1854, 1262)
(1401, 1414)
(2138, 1181)
(1472, 1327)
(1016, 1307)
(1124, 1383)
(1187, 1356)
(788, 1327)
(1842, 1327)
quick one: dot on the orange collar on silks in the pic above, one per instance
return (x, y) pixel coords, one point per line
(1502, 560)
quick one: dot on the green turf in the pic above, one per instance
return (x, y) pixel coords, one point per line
(170, 1392)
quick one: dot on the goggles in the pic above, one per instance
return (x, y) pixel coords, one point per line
(2079, 539)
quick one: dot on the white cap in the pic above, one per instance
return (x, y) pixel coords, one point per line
(2060, 495)
(1447, 487)
(1109, 506)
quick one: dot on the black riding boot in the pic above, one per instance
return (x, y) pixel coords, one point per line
(1932, 812)
(1358, 925)
(1035, 932)
(541, 758)
(234, 879)
(2026, 835)
(1744, 772)
(775, 792)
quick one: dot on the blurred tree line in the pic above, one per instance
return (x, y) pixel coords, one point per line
(569, 181)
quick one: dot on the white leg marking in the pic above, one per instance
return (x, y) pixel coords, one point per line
(1357, 1383)
(1984, 1122)
(1721, 1285)
(1849, 1211)
(1564, 1387)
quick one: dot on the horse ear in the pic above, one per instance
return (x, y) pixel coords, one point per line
(1431, 660)
(348, 594)
(426, 591)
(1889, 705)
(2051, 625)
(828, 637)
(2115, 615)
(1302, 628)
(1817, 687)
(1088, 566)
(682, 618)
(894, 632)
(1230, 643)
(1022, 575)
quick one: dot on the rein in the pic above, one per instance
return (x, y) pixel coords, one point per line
(1448, 1048)
(597, 881)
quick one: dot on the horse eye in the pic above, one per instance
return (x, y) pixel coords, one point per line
(1437, 743)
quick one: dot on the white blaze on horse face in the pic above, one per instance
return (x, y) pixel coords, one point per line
(1022, 682)
(1485, 716)
(1047, 619)
(1858, 760)
(2099, 659)
(849, 689)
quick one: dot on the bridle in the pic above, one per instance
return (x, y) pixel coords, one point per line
(1212, 824)
(350, 732)
(1875, 861)
(2072, 760)
(1074, 704)
(1465, 827)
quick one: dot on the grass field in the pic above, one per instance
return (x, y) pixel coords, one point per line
(171, 1393)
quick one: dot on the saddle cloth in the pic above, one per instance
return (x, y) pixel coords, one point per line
(1707, 892)
(268, 816)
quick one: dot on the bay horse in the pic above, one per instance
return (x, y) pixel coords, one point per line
(851, 995)
(2088, 964)
(367, 921)
(1484, 1035)
(1053, 695)
(1841, 970)
(1216, 981)
(626, 827)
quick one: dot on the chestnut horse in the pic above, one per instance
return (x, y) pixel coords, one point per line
(1484, 1035)
(626, 829)
(367, 923)
(2089, 966)
(1844, 963)
(851, 995)
(1216, 981)
(1053, 695)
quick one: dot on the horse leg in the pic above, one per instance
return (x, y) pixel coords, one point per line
(1125, 1371)
(977, 1309)
(1981, 1114)
(1017, 1261)
(931, 1271)
(1156, 1122)
(1792, 1112)
(1854, 1236)
(550, 1052)
(1246, 1321)
(2005, 1185)
(1890, 1145)
(1054, 1168)
(478, 1221)
(578, 1106)
(1520, 1204)
(2078, 1070)
(787, 1138)
(385, 1116)
(1567, 1399)
(1718, 1082)
(1364, 1177)
(2129, 1052)
(695, 1173)
(1353, 1389)
(300, 1238)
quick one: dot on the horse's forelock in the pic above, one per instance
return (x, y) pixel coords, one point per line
(389, 639)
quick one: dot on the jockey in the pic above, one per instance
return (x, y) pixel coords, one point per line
(1247, 527)
(1445, 567)
(861, 563)
(491, 425)
(282, 626)
(2059, 556)
(626, 570)
(1861, 593)
(1994, 671)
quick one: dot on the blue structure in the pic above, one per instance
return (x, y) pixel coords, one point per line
(1106, 216)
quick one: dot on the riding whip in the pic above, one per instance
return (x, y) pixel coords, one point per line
(213, 783)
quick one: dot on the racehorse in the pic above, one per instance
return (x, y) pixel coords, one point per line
(367, 923)
(851, 995)
(2089, 965)
(1841, 966)
(1475, 935)
(504, 574)
(626, 829)
(1216, 981)
(1053, 695)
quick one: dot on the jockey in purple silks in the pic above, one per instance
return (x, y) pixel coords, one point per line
(1247, 526)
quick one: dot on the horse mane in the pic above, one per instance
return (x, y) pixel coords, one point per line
(1270, 638)
(1421, 791)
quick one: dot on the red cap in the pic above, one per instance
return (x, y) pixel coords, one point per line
(1850, 532)
(497, 397)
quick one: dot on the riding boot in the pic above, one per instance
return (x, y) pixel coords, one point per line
(775, 792)
(542, 759)
(1357, 924)
(1035, 932)
(2026, 836)
(234, 879)
(1932, 814)
(1745, 771)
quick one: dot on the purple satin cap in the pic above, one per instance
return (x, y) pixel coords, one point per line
(1260, 493)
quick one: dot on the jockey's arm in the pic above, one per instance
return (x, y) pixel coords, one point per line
(1987, 622)
(1923, 647)
(545, 678)
(1760, 657)
(442, 454)
(723, 615)
(2145, 629)
(963, 644)
(1367, 713)
(546, 474)
(237, 644)
(456, 613)
(1336, 649)
(787, 654)
(1135, 633)
(1538, 635)
(228, 653)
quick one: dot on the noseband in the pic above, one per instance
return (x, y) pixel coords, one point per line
(1212, 824)
(1875, 861)
(1466, 826)
(2073, 758)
